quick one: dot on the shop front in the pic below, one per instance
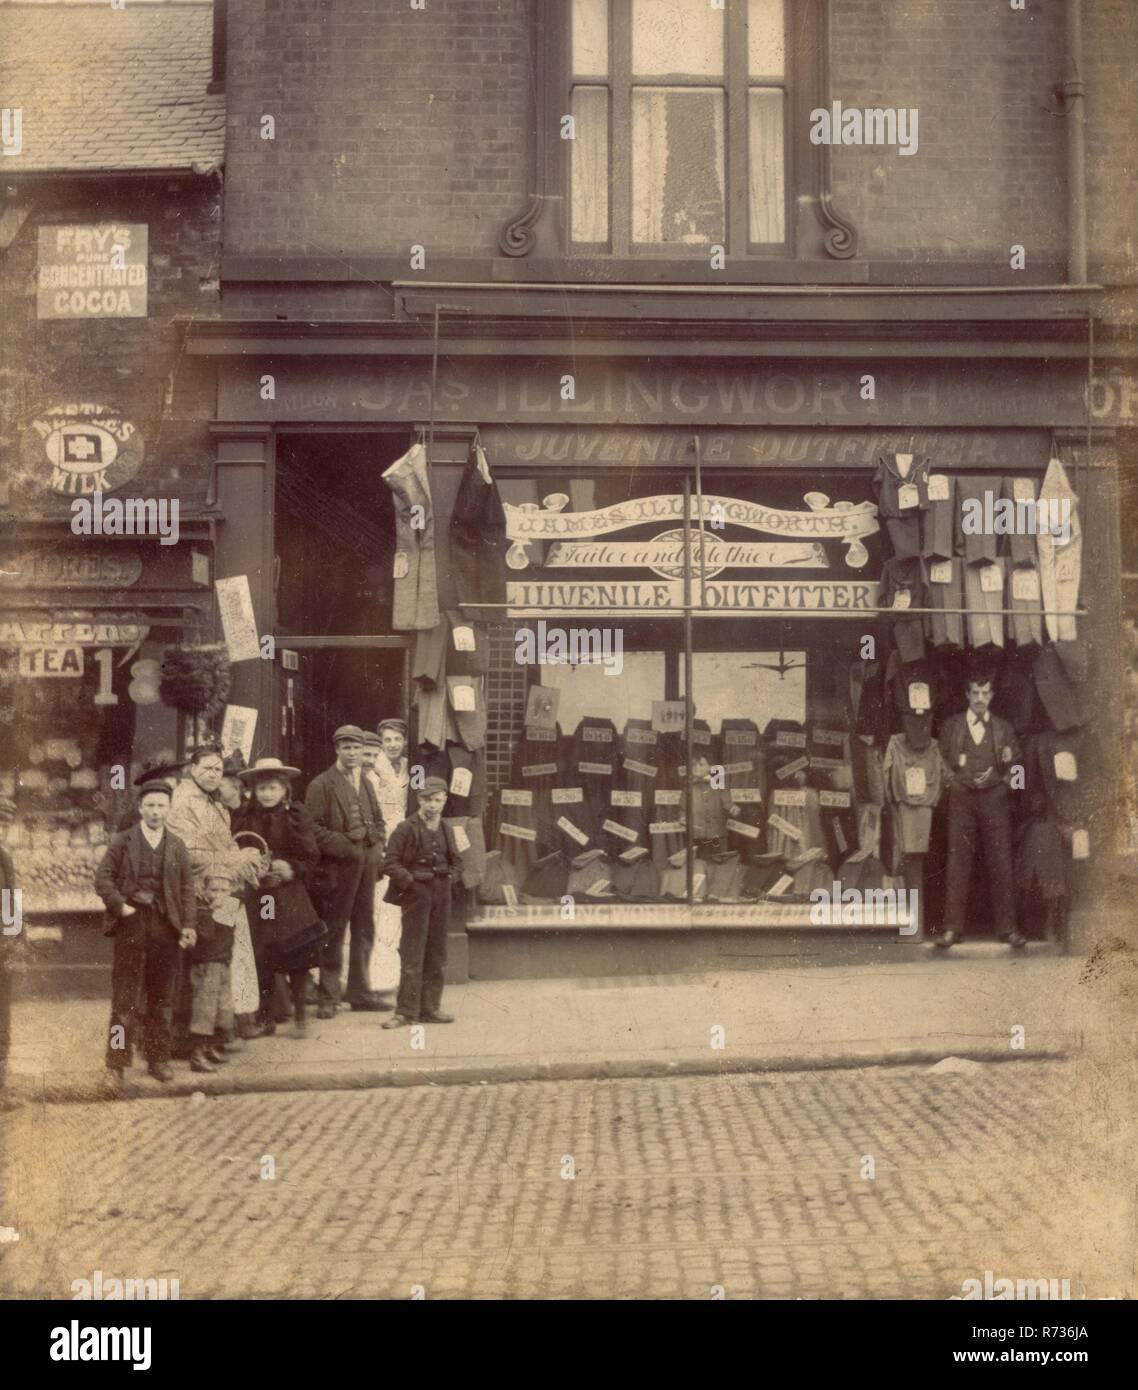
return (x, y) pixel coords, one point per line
(83, 627)
(754, 570)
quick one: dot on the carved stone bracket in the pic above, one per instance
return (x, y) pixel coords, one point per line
(517, 236)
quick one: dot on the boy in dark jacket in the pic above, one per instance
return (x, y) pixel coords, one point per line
(421, 862)
(211, 1022)
(147, 884)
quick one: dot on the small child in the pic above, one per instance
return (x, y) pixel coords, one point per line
(211, 1022)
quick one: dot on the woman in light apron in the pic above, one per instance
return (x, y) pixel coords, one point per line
(390, 776)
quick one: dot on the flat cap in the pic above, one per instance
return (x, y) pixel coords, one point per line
(434, 784)
(348, 731)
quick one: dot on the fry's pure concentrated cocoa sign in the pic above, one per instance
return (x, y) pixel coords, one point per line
(76, 450)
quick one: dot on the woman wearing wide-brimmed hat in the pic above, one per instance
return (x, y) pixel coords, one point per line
(287, 930)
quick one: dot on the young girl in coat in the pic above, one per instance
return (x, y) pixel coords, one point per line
(286, 927)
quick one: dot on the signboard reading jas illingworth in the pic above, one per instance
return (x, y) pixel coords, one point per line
(95, 272)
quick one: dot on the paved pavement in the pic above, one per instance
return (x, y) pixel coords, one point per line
(872, 1183)
(971, 1004)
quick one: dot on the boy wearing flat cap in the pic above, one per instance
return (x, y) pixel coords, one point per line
(147, 884)
(421, 862)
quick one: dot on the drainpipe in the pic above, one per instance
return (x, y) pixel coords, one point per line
(1073, 96)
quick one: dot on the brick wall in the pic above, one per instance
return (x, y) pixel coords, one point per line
(393, 126)
(134, 365)
(397, 126)
(989, 168)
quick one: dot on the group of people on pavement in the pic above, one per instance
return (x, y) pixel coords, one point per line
(226, 893)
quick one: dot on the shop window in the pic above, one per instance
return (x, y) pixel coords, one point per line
(75, 722)
(678, 126)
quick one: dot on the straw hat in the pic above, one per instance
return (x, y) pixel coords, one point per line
(268, 767)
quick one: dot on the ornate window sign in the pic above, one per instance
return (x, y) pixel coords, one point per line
(678, 129)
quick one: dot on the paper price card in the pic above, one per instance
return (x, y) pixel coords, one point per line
(567, 796)
(938, 487)
(539, 770)
(598, 769)
(621, 831)
(536, 734)
(516, 798)
(1080, 845)
(747, 796)
(510, 893)
(791, 768)
(626, 799)
(667, 716)
(596, 735)
(461, 780)
(915, 781)
(1025, 586)
(791, 831)
(464, 639)
(780, 886)
(643, 769)
(902, 599)
(574, 832)
(919, 697)
(461, 839)
(666, 827)
(908, 496)
(740, 738)
(462, 698)
(1066, 768)
(667, 798)
(785, 739)
(991, 580)
(841, 800)
(647, 736)
(789, 798)
(517, 832)
(742, 828)
(941, 572)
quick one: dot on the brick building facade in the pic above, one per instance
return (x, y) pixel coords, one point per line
(98, 399)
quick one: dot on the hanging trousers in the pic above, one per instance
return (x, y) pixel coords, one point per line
(979, 816)
(416, 600)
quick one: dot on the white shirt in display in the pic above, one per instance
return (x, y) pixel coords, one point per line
(976, 727)
(152, 837)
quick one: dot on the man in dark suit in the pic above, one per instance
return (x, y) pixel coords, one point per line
(350, 835)
(980, 751)
(146, 882)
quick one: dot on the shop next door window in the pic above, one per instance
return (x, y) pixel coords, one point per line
(678, 125)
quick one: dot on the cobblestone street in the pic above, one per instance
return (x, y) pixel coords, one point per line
(752, 1183)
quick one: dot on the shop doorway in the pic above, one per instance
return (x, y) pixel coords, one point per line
(327, 684)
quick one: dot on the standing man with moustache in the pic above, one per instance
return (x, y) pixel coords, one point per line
(351, 838)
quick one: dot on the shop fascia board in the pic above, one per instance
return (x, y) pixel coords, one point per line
(1010, 339)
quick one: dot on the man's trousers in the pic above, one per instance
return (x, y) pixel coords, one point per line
(423, 949)
(144, 977)
(984, 817)
(350, 905)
